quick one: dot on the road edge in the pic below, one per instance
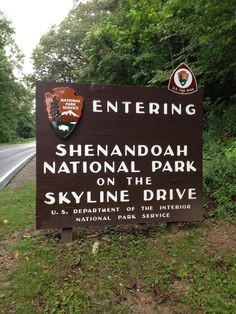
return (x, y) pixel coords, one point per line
(4, 180)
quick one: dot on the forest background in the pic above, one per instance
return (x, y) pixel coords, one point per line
(137, 42)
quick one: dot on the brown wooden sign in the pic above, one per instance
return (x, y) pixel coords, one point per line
(129, 155)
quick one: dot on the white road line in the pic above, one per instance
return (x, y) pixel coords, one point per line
(14, 168)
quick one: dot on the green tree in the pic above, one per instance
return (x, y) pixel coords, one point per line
(55, 108)
(58, 56)
(26, 113)
(141, 42)
(12, 91)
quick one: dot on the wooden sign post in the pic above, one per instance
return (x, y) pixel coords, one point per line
(109, 155)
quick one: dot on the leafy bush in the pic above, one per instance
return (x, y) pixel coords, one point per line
(220, 160)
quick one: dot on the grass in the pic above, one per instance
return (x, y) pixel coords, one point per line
(17, 209)
(184, 272)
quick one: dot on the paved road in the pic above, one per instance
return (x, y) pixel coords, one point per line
(11, 157)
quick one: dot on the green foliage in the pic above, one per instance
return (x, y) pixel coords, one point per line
(141, 42)
(16, 117)
(58, 55)
(220, 160)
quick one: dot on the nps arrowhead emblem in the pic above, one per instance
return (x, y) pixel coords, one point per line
(182, 80)
(64, 109)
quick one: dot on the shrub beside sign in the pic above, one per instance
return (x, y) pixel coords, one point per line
(117, 154)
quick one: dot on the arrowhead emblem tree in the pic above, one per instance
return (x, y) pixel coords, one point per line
(64, 109)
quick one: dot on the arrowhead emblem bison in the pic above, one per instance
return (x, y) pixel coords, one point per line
(64, 109)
